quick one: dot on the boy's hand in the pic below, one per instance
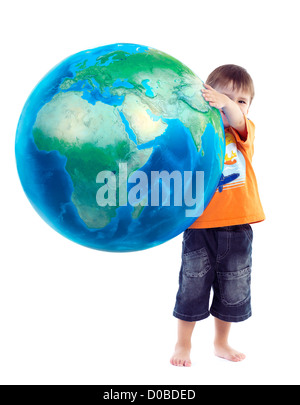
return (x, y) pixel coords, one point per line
(232, 114)
(214, 98)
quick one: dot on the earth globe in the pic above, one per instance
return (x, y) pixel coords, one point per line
(117, 150)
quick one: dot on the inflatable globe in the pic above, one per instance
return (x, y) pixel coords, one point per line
(117, 150)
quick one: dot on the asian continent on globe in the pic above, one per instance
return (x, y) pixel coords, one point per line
(105, 121)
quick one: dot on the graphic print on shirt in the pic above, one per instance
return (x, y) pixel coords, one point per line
(234, 173)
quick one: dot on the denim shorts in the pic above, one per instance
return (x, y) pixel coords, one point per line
(218, 259)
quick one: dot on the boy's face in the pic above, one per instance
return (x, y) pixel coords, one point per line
(241, 97)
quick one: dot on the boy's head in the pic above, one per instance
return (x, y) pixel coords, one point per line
(232, 76)
(235, 82)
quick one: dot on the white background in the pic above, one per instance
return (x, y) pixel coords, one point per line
(71, 315)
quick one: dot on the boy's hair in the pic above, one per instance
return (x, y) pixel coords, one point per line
(239, 76)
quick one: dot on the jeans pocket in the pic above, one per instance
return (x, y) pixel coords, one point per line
(249, 232)
(235, 287)
(196, 263)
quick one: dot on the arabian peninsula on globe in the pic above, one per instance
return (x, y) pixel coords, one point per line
(101, 122)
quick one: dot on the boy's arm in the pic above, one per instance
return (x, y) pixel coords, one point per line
(234, 115)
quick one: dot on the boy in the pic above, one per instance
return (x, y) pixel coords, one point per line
(217, 248)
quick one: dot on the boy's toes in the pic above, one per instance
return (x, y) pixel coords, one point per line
(241, 356)
(173, 361)
(181, 357)
(227, 353)
(238, 357)
(180, 363)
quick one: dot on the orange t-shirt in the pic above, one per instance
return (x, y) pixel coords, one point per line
(236, 200)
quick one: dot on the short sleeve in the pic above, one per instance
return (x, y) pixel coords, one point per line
(246, 144)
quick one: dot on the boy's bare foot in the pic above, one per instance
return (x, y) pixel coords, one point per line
(226, 352)
(181, 356)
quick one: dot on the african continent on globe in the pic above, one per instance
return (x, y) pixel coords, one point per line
(109, 145)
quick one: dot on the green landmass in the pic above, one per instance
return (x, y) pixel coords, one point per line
(84, 162)
(126, 66)
(93, 137)
(176, 89)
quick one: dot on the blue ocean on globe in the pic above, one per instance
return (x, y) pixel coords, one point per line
(101, 123)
